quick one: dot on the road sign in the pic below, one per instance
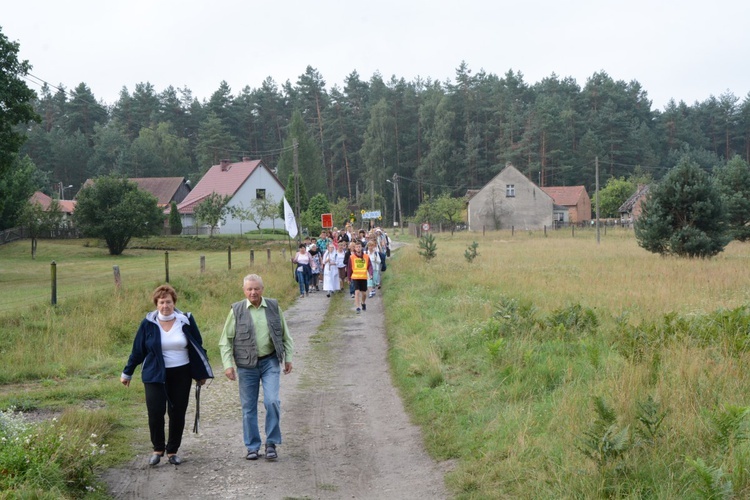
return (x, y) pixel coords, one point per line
(371, 215)
(326, 221)
(425, 227)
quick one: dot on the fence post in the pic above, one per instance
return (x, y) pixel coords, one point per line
(203, 263)
(545, 230)
(166, 264)
(573, 230)
(53, 273)
(229, 257)
(484, 228)
(283, 255)
(252, 257)
(268, 251)
(118, 280)
(512, 230)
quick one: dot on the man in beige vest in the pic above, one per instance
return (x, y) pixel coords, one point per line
(256, 340)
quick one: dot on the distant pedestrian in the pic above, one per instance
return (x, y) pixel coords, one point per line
(315, 267)
(331, 281)
(359, 269)
(303, 273)
(374, 281)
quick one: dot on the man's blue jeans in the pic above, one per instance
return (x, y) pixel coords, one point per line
(267, 372)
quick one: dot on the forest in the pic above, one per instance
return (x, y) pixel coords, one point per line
(436, 137)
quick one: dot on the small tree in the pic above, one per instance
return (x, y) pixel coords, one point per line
(683, 215)
(427, 247)
(175, 221)
(613, 195)
(115, 209)
(471, 252)
(37, 220)
(266, 208)
(311, 218)
(212, 211)
(243, 213)
(449, 209)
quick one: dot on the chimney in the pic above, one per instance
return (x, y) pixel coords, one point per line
(246, 158)
(224, 165)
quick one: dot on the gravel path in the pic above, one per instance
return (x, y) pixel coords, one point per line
(345, 431)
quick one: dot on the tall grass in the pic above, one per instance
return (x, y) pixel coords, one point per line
(503, 360)
(66, 360)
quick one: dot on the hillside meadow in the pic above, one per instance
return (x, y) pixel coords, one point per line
(549, 367)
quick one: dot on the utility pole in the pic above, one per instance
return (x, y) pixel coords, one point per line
(596, 198)
(394, 200)
(398, 198)
(296, 188)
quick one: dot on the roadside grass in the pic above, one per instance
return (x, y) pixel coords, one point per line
(64, 362)
(556, 367)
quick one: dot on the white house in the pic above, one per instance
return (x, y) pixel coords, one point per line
(242, 181)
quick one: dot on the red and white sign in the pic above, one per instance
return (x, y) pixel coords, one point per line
(425, 227)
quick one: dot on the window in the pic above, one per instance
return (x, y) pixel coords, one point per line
(510, 190)
(260, 194)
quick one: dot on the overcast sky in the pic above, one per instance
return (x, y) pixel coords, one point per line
(682, 49)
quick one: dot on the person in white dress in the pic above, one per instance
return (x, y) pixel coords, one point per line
(330, 271)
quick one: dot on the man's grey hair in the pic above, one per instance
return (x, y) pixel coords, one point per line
(253, 277)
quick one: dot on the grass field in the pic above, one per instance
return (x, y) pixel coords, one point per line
(550, 367)
(556, 367)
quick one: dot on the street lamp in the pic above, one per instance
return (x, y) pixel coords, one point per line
(394, 200)
(62, 190)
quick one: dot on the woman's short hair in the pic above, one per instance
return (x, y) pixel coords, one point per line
(162, 291)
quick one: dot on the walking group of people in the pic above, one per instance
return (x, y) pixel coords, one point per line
(255, 346)
(340, 259)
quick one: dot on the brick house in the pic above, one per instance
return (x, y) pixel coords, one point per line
(574, 199)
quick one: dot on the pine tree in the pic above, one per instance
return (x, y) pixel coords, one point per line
(684, 215)
(175, 221)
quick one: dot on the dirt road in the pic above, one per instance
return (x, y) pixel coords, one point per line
(345, 432)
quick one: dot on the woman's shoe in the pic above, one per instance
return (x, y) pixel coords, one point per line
(155, 458)
(174, 460)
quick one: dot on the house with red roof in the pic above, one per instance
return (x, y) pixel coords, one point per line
(66, 206)
(242, 181)
(165, 189)
(572, 203)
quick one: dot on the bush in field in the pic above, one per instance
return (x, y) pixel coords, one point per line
(733, 182)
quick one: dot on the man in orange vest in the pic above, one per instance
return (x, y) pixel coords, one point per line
(359, 269)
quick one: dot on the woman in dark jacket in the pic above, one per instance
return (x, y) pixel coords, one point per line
(170, 347)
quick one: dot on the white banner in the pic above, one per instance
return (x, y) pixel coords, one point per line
(289, 221)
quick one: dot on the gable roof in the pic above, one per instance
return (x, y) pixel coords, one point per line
(630, 202)
(67, 206)
(164, 188)
(565, 195)
(224, 179)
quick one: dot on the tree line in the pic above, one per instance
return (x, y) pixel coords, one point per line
(437, 137)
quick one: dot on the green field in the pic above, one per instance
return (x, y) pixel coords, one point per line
(550, 367)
